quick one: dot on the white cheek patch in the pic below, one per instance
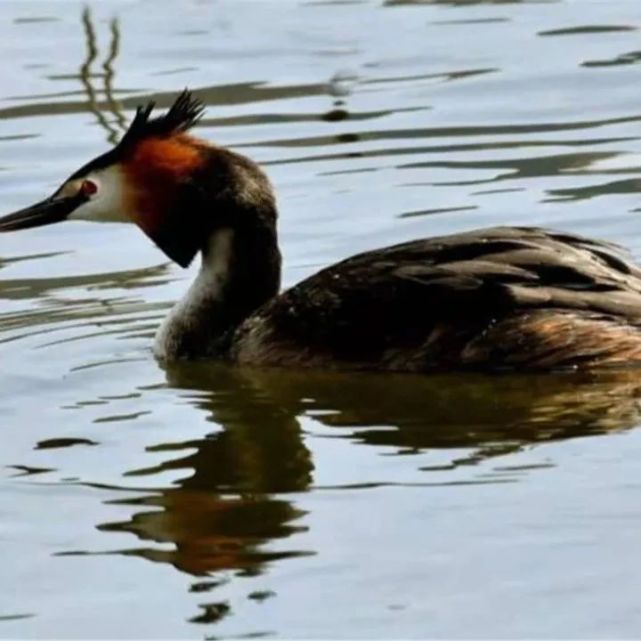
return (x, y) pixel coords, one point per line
(108, 204)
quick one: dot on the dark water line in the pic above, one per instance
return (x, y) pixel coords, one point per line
(86, 76)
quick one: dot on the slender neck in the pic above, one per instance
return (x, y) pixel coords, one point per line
(240, 271)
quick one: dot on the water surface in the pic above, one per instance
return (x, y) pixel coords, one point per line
(202, 501)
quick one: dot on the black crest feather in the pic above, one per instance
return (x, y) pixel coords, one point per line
(182, 115)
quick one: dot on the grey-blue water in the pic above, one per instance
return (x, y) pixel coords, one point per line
(204, 501)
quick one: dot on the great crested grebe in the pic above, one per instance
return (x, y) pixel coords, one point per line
(492, 299)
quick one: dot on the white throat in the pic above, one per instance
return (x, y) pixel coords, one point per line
(189, 318)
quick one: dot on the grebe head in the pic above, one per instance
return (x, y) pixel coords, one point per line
(176, 188)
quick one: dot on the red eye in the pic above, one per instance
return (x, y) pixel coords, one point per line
(88, 188)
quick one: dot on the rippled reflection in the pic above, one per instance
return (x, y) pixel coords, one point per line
(87, 75)
(231, 501)
(450, 411)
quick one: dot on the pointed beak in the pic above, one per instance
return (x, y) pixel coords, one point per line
(51, 210)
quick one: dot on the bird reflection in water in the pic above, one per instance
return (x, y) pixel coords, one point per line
(233, 505)
(224, 510)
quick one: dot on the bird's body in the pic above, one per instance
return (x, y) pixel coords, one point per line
(494, 299)
(491, 299)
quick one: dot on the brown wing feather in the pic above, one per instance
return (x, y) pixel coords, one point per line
(549, 339)
(453, 301)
